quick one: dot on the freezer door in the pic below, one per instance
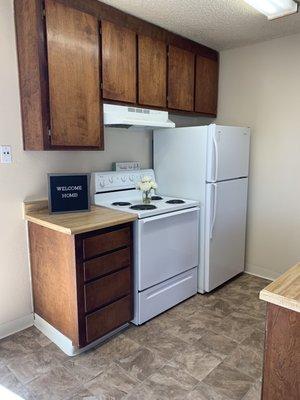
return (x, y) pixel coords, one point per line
(228, 153)
(225, 231)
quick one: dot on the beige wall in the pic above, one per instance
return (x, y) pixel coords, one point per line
(260, 88)
(26, 178)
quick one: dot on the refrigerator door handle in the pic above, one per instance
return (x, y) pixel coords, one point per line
(214, 185)
(216, 157)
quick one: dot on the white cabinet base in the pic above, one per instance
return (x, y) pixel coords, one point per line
(64, 343)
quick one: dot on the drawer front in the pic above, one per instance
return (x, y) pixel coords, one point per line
(108, 318)
(107, 289)
(106, 264)
(105, 242)
(163, 296)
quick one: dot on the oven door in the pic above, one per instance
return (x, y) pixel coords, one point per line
(165, 246)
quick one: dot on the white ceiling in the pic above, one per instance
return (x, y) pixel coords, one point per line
(220, 24)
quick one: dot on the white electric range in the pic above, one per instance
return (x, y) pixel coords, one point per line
(165, 241)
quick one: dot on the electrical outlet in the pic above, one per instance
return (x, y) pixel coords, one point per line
(5, 154)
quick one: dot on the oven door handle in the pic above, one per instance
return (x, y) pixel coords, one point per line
(168, 215)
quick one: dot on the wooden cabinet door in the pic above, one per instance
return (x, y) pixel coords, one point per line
(181, 79)
(152, 72)
(206, 92)
(74, 87)
(118, 63)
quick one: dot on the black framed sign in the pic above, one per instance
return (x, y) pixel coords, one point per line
(68, 192)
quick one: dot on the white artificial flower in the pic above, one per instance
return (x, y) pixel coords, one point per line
(146, 179)
(153, 185)
(145, 186)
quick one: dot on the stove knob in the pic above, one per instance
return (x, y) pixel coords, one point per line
(102, 184)
(111, 179)
(131, 178)
(123, 178)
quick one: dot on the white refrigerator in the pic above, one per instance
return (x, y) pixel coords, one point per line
(209, 164)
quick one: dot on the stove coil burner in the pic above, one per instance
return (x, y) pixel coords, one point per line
(175, 201)
(121, 203)
(143, 207)
(156, 198)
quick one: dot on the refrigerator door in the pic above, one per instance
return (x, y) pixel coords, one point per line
(225, 231)
(228, 153)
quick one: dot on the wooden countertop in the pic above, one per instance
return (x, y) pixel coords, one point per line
(74, 223)
(284, 291)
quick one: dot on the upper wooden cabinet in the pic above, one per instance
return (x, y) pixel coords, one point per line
(58, 54)
(72, 54)
(181, 79)
(73, 68)
(152, 72)
(118, 63)
(206, 86)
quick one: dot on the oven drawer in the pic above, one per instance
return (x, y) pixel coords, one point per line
(107, 289)
(104, 242)
(108, 318)
(106, 264)
(160, 298)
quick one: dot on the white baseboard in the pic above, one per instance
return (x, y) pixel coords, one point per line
(11, 327)
(262, 272)
(64, 343)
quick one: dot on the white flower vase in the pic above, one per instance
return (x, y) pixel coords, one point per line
(146, 185)
(146, 197)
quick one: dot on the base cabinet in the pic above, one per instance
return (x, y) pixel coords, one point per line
(82, 284)
(281, 376)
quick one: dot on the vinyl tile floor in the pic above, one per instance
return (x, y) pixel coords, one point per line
(210, 347)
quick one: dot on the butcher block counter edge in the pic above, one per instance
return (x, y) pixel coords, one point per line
(74, 223)
(285, 290)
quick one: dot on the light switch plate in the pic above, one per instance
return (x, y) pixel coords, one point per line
(5, 154)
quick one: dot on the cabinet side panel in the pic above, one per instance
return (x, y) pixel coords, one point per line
(32, 79)
(281, 378)
(53, 270)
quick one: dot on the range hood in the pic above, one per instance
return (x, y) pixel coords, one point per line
(126, 117)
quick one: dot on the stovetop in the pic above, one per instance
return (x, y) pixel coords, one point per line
(131, 201)
(117, 190)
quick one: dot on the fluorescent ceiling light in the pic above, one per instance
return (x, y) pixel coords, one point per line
(274, 8)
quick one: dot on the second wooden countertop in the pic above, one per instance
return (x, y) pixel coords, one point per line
(285, 290)
(75, 223)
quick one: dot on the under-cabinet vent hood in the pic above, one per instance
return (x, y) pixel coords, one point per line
(126, 117)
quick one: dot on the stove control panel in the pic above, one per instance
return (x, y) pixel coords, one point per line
(110, 181)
